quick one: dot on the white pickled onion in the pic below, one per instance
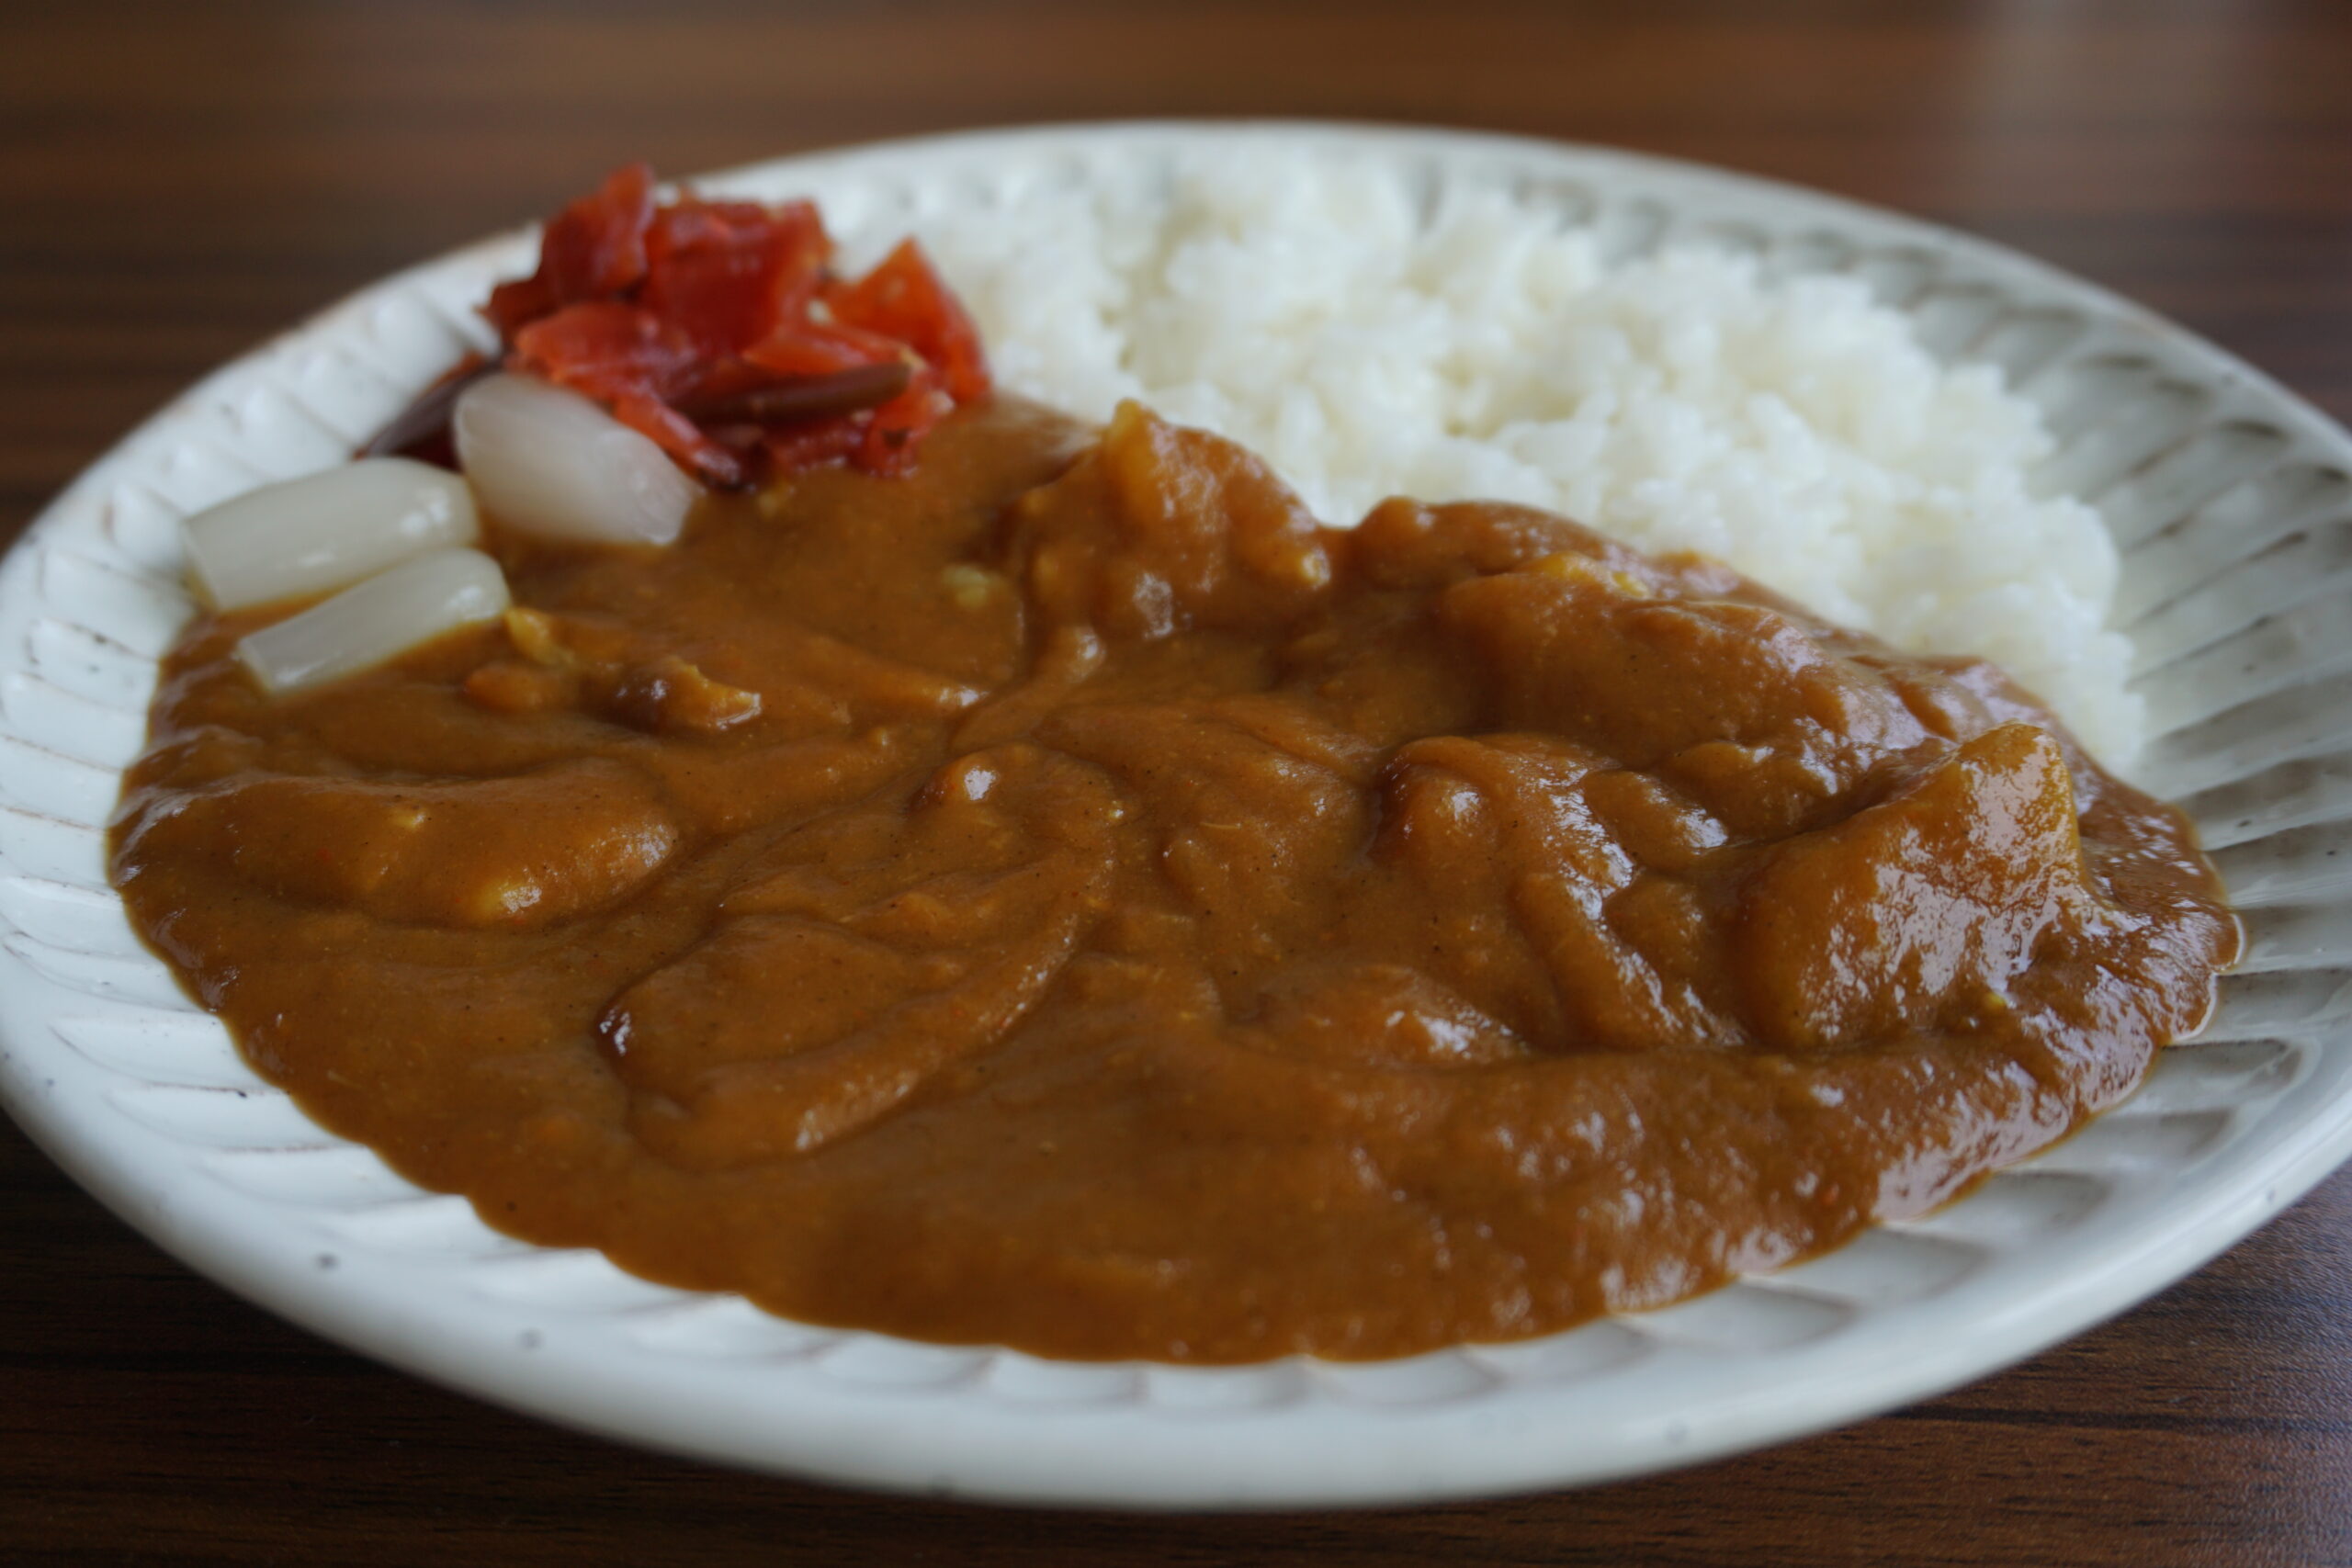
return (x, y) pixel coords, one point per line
(370, 622)
(547, 461)
(306, 536)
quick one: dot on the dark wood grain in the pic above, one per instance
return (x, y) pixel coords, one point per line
(180, 181)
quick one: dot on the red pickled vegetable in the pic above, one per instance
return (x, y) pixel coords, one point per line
(716, 328)
(811, 444)
(593, 249)
(888, 443)
(606, 350)
(730, 273)
(904, 298)
(823, 349)
(694, 449)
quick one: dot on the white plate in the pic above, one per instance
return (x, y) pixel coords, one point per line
(2229, 496)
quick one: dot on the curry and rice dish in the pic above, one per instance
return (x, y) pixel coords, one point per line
(1029, 882)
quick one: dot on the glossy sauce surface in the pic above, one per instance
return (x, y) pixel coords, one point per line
(1069, 898)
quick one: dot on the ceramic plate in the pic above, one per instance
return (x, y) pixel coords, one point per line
(2230, 501)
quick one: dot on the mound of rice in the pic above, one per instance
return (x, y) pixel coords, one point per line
(1317, 307)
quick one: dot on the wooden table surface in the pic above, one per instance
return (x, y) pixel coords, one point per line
(180, 181)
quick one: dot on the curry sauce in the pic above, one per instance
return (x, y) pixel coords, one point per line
(1067, 897)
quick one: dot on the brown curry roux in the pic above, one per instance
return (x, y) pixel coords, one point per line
(1069, 898)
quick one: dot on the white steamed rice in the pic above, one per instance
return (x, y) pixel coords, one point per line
(1312, 305)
